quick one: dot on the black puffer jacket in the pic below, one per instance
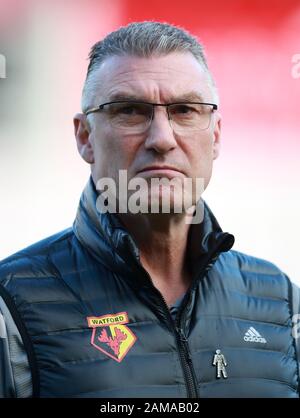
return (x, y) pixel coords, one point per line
(89, 322)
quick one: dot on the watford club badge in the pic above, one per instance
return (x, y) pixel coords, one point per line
(110, 334)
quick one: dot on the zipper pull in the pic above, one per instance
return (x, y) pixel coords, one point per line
(185, 342)
(181, 334)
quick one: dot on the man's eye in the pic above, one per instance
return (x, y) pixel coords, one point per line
(183, 109)
(128, 110)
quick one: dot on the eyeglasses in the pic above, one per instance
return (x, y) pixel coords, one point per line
(135, 117)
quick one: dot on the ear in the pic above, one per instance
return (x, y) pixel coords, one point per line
(217, 136)
(82, 134)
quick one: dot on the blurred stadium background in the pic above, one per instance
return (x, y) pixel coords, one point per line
(255, 188)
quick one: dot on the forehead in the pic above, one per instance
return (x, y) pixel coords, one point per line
(160, 78)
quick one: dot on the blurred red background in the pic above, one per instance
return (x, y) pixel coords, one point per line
(250, 45)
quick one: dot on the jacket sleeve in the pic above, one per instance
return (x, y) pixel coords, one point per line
(296, 319)
(15, 374)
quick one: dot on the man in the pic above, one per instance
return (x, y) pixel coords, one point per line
(137, 303)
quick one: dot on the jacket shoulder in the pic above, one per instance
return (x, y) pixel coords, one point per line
(33, 260)
(252, 264)
(253, 275)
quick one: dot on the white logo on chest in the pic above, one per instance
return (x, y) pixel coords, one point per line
(254, 336)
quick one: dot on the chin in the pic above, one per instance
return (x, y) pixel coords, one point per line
(165, 201)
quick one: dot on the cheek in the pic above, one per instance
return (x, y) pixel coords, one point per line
(201, 153)
(201, 159)
(112, 153)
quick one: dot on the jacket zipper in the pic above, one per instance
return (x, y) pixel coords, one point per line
(191, 380)
(182, 344)
(187, 364)
(181, 340)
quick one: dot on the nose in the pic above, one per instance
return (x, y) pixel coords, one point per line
(160, 135)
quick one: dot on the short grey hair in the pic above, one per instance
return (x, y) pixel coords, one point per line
(143, 39)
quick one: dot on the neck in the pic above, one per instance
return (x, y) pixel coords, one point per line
(162, 242)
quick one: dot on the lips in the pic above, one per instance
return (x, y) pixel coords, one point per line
(157, 168)
(155, 171)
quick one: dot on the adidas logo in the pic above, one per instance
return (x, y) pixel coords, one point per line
(253, 336)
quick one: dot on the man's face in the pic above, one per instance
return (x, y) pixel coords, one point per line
(163, 79)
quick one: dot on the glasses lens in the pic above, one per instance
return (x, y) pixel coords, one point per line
(190, 117)
(130, 116)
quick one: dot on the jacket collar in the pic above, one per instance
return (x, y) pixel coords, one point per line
(103, 235)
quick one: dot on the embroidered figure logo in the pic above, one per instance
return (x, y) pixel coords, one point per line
(111, 335)
(220, 362)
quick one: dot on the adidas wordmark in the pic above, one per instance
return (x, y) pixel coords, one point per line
(254, 336)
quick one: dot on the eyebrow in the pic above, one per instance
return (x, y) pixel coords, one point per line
(187, 97)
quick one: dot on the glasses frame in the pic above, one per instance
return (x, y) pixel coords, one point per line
(166, 105)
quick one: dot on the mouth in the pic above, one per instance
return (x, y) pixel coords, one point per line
(165, 171)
